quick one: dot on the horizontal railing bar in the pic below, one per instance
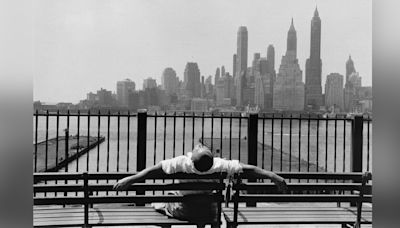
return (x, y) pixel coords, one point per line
(108, 176)
(120, 175)
(314, 175)
(58, 188)
(198, 115)
(135, 187)
(85, 114)
(303, 186)
(301, 198)
(58, 200)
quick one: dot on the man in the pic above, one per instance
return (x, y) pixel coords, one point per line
(200, 161)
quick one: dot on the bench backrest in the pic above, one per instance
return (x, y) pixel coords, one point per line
(96, 188)
(310, 187)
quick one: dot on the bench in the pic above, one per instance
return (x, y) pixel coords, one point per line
(315, 198)
(87, 200)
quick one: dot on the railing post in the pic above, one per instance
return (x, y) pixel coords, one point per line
(252, 134)
(141, 144)
(252, 141)
(357, 144)
(141, 140)
(66, 149)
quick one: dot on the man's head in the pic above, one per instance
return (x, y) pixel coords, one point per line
(202, 158)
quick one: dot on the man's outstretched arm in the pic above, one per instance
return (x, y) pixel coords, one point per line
(256, 172)
(147, 173)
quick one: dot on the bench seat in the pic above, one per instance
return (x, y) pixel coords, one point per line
(101, 216)
(277, 214)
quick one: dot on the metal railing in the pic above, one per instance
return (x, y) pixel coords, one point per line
(133, 141)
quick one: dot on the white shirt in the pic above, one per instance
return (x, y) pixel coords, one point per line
(185, 164)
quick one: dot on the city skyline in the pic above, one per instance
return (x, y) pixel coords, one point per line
(70, 60)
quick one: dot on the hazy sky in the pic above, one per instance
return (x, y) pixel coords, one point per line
(82, 46)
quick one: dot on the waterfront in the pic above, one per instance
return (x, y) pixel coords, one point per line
(117, 146)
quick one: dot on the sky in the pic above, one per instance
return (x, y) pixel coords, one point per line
(82, 46)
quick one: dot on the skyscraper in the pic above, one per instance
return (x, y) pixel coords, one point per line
(217, 76)
(241, 54)
(313, 87)
(222, 71)
(271, 61)
(334, 91)
(149, 83)
(349, 68)
(169, 81)
(241, 64)
(351, 86)
(271, 68)
(263, 96)
(191, 80)
(288, 93)
(256, 58)
(234, 65)
(291, 44)
(123, 89)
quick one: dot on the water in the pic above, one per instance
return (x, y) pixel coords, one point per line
(160, 145)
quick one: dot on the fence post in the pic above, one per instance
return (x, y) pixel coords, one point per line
(141, 140)
(66, 149)
(357, 144)
(141, 144)
(252, 141)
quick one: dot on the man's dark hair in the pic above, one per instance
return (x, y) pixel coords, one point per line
(202, 159)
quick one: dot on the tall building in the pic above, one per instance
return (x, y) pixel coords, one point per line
(234, 65)
(241, 64)
(224, 90)
(222, 71)
(149, 83)
(217, 75)
(263, 84)
(349, 68)
(271, 61)
(334, 91)
(169, 81)
(351, 92)
(202, 88)
(313, 87)
(352, 84)
(271, 68)
(241, 54)
(191, 80)
(288, 93)
(209, 87)
(123, 89)
(105, 98)
(291, 43)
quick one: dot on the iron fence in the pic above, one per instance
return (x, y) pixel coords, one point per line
(128, 142)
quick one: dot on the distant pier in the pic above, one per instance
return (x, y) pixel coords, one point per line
(56, 156)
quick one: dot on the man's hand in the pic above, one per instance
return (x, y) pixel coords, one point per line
(281, 185)
(122, 184)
